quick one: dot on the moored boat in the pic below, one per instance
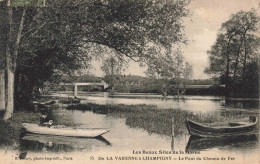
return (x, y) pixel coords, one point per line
(231, 129)
(64, 131)
(64, 140)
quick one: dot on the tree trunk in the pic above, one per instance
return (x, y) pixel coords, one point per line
(227, 67)
(235, 69)
(113, 78)
(2, 89)
(245, 58)
(9, 103)
(18, 38)
(227, 79)
(228, 63)
(236, 63)
(3, 37)
(10, 94)
(11, 63)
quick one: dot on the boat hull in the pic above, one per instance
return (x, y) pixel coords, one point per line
(64, 140)
(200, 130)
(70, 132)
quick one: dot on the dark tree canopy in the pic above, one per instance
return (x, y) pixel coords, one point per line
(65, 35)
(127, 26)
(235, 53)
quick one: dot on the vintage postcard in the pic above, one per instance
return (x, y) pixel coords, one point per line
(129, 81)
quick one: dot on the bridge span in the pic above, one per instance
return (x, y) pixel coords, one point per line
(104, 84)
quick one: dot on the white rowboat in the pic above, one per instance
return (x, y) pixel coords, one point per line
(64, 131)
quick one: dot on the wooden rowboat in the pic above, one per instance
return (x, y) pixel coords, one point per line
(64, 131)
(232, 129)
(78, 142)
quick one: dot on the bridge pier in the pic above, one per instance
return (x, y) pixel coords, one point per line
(75, 90)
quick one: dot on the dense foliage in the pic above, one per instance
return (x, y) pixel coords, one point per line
(65, 35)
(234, 58)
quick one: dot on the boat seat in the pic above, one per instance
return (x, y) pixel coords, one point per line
(237, 123)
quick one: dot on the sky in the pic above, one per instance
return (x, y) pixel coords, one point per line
(201, 31)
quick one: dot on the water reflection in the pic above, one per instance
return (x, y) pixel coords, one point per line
(203, 104)
(48, 143)
(236, 143)
(242, 104)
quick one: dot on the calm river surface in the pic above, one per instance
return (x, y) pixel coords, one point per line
(123, 138)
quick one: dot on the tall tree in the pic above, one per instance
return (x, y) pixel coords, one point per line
(235, 49)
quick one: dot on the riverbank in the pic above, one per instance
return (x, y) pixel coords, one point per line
(65, 95)
(11, 130)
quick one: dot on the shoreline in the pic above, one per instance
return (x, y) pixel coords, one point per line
(152, 95)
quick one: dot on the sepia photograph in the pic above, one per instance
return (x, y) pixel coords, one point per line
(129, 81)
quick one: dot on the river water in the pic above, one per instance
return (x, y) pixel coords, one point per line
(204, 104)
(131, 140)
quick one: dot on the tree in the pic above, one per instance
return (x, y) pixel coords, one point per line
(113, 67)
(219, 57)
(13, 41)
(70, 29)
(187, 74)
(169, 69)
(235, 49)
(2, 56)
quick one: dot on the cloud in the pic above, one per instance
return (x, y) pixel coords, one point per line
(196, 52)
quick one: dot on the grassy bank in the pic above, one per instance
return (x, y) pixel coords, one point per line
(11, 130)
(154, 120)
(62, 100)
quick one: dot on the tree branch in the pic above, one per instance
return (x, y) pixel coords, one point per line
(115, 48)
